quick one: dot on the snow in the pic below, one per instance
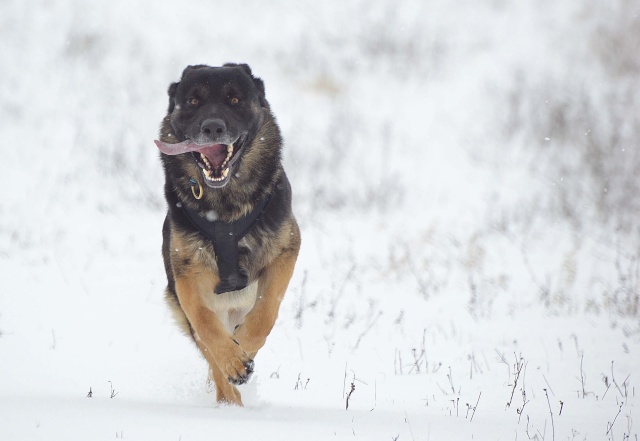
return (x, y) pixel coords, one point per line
(448, 162)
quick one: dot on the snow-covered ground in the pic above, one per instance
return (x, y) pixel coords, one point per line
(466, 176)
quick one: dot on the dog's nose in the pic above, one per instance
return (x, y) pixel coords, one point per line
(213, 127)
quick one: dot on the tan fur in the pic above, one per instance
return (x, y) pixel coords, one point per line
(212, 318)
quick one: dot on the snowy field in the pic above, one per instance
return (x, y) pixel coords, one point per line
(466, 176)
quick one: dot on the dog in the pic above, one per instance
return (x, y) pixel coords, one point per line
(230, 239)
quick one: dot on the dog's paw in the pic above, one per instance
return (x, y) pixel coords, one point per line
(235, 363)
(241, 379)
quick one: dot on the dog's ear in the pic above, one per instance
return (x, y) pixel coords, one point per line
(172, 96)
(245, 67)
(192, 68)
(256, 81)
(260, 86)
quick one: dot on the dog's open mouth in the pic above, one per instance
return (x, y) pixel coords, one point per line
(215, 160)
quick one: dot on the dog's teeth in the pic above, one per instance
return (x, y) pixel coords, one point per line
(225, 172)
(205, 160)
(229, 154)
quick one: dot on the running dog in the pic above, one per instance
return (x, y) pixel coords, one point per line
(230, 240)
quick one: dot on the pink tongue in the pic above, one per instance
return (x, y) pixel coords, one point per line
(177, 149)
(216, 154)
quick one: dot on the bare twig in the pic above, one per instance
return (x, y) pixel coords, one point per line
(353, 388)
(517, 368)
(475, 407)
(90, 394)
(615, 383)
(399, 365)
(451, 381)
(548, 386)
(417, 360)
(299, 384)
(527, 429)
(473, 365)
(113, 391)
(520, 410)
(553, 428)
(605, 380)
(610, 425)
(582, 379)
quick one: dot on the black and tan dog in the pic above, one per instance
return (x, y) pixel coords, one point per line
(230, 241)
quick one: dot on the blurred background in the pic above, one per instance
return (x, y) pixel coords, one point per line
(444, 127)
(450, 160)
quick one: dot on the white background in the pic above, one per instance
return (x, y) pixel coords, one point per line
(465, 176)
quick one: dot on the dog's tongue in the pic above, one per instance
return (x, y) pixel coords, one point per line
(215, 153)
(177, 149)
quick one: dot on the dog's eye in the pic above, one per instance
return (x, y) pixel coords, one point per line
(234, 100)
(193, 101)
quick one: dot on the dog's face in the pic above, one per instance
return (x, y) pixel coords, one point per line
(215, 112)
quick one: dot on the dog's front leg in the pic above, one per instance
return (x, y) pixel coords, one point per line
(227, 359)
(272, 285)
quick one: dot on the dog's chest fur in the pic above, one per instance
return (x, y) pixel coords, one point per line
(232, 307)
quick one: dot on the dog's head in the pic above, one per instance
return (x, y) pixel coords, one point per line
(214, 114)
